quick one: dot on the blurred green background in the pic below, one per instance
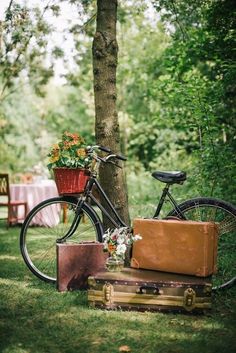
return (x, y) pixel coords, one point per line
(175, 87)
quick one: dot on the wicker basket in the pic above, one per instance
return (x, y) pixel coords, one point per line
(70, 181)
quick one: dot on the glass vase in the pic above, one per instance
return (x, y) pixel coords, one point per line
(114, 265)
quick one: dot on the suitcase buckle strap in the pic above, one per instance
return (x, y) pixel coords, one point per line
(189, 299)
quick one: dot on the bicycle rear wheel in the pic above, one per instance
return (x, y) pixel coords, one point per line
(48, 222)
(224, 214)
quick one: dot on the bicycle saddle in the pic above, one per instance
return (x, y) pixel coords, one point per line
(170, 177)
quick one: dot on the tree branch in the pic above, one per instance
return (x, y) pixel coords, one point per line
(182, 29)
(9, 6)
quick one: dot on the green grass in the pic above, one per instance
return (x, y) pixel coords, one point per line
(35, 318)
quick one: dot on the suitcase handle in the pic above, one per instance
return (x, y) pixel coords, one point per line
(142, 289)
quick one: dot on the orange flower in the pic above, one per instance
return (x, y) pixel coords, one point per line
(72, 136)
(55, 147)
(69, 152)
(75, 138)
(111, 248)
(66, 144)
(81, 152)
(54, 158)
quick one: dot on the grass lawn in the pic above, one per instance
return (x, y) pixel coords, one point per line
(35, 318)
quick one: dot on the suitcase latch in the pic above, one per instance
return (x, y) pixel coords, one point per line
(91, 282)
(189, 299)
(108, 294)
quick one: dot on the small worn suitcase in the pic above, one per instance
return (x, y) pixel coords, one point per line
(76, 262)
(145, 290)
(177, 246)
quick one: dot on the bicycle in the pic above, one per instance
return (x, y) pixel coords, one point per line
(77, 219)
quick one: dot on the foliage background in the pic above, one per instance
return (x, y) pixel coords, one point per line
(176, 90)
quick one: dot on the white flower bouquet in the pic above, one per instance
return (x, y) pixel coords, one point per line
(116, 241)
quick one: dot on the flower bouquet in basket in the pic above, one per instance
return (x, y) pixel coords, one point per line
(69, 160)
(117, 243)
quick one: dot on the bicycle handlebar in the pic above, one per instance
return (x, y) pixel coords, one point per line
(104, 149)
(107, 150)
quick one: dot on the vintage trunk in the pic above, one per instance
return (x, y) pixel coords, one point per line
(185, 247)
(145, 290)
(76, 262)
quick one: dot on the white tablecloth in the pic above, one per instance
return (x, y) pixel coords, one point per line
(33, 194)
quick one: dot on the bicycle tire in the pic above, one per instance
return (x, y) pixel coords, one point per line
(48, 222)
(224, 214)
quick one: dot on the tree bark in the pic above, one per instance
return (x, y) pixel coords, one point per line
(105, 54)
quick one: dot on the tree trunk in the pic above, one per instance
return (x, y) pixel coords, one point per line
(105, 50)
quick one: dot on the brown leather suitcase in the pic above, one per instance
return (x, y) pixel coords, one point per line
(185, 247)
(76, 262)
(145, 290)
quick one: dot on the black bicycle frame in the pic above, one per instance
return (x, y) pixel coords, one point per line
(112, 215)
(166, 193)
(120, 223)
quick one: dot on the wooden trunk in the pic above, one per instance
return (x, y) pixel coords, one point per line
(145, 290)
(176, 246)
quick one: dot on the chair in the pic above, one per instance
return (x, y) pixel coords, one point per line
(12, 206)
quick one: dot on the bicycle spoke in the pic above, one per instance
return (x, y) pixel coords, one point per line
(227, 225)
(197, 214)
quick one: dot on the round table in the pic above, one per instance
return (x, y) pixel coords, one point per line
(33, 194)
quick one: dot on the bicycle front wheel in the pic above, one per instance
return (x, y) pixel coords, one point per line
(48, 222)
(224, 214)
